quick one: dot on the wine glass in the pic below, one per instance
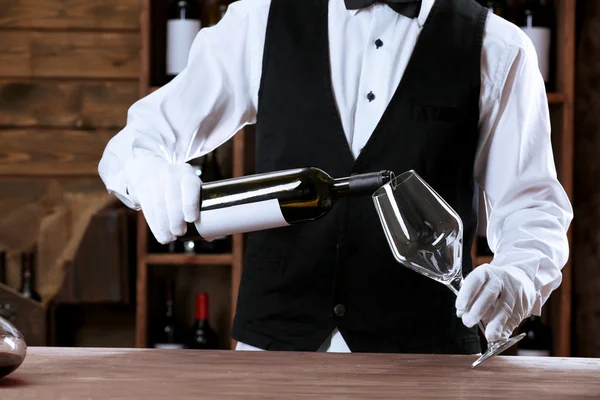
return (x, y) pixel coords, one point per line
(426, 235)
(12, 348)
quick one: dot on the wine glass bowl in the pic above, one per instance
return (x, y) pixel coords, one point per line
(425, 234)
(13, 348)
(423, 231)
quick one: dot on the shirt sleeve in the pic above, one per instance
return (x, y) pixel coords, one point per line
(528, 210)
(203, 107)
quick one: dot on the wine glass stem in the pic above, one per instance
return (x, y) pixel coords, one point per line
(455, 285)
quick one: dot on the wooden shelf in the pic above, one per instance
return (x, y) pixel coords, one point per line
(189, 259)
(556, 98)
(152, 37)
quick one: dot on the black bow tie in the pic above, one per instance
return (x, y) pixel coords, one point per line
(408, 8)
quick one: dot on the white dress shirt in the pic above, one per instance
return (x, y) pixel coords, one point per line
(528, 212)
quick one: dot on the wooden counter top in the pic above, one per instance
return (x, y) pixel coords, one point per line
(127, 374)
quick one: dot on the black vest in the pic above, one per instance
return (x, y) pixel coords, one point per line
(300, 282)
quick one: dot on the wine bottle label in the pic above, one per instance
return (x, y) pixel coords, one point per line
(533, 353)
(240, 219)
(180, 37)
(541, 37)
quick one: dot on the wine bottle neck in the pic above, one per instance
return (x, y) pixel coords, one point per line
(27, 270)
(201, 307)
(360, 184)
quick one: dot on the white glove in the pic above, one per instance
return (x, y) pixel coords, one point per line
(500, 297)
(169, 195)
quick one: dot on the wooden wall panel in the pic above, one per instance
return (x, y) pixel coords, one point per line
(66, 54)
(586, 249)
(30, 188)
(86, 14)
(72, 104)
(52, 151)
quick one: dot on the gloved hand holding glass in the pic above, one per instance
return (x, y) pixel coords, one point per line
(426, 235)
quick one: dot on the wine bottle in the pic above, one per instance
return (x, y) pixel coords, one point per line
(28, 276)
(536, 19)
(538, 341)
(211, 172)
(275, 199)
(498, 7)
(203, 336)
(168, 333)
(183, 24)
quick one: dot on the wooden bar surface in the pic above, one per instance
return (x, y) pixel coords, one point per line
(127, 374)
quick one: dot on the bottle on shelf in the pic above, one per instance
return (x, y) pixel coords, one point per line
(498, 7)
(275, 199)
(183, 24)
(168, 334)
(538, 342)
(536, 19)
(27, 288)
(203, 336)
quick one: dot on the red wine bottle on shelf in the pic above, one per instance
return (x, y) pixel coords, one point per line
(203, 336)
(28, 276)
(538, 342)
(183, 24)
(275, 199)
(168, 335)
(536, 19)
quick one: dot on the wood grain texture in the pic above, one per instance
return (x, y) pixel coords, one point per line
(141, 309)
(586, 246)
(87, 14)
(25, 189)
(145, 48)
(562, 299)
(189, 259)
(66, 104)
(65, 54)
(75, 373)
(51, 151)
(27, 315)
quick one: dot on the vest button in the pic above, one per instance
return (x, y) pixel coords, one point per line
(339, 310)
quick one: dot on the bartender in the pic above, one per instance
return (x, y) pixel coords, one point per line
(438, 86)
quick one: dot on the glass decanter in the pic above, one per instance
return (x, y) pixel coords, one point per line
(12, 348)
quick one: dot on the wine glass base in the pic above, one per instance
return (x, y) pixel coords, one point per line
(497, 348)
